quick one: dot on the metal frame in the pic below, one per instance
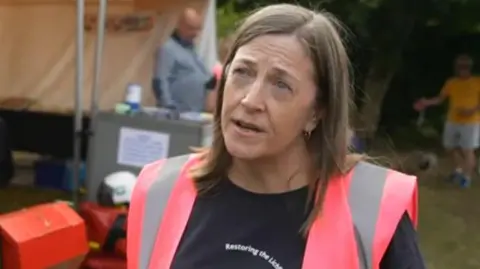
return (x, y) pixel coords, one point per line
(79, 85)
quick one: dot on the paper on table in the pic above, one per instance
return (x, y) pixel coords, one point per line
(138, 147)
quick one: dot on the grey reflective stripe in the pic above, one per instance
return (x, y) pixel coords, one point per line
(365, 197)
(361, 250)
(155, 204)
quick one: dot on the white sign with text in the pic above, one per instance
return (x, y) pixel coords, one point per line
(138, 147)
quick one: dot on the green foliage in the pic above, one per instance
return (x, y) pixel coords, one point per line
(427, 64)
(462, 17)
(404, 37)
(228, 19)
(384, 23)
(412, 137)
(371, 3)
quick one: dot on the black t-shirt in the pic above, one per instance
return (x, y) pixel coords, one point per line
(236, 229)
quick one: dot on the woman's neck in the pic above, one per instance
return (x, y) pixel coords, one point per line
(285, 172)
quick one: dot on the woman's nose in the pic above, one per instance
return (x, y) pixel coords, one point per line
(254, 99)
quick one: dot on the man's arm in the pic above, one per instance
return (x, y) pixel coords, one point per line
(434, 101)
(437, 100)
(164, 63)
(213, 85)
(210, 100)
(478, 92)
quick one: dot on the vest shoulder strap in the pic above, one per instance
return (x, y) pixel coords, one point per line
(148, 203)
(378, 197)
(136, 211)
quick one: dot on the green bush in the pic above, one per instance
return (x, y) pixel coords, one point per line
(228, 19)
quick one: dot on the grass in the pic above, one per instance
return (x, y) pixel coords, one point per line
(15, 198)
(448, 228)
(449, 222)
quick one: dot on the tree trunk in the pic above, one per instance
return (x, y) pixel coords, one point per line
(376, 85)
(393, 27)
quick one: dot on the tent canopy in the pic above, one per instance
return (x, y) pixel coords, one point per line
(37, 60)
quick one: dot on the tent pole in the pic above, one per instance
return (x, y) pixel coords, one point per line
(97, 69)
(79, 77)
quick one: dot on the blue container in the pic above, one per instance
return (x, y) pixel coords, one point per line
(49, 173)
(57, 174)
(68, 176)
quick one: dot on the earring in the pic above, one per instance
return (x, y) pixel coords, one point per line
(307, 134)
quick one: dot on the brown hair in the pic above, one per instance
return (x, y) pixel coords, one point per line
(329, 141)
(224, 48)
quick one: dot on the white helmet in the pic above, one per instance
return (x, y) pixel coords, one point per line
(116, 188)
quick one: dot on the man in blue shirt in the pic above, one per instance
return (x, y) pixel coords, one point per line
(181, 80)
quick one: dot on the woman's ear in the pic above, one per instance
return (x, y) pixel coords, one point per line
(313, 121)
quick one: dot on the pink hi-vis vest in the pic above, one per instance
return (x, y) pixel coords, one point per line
(360, 214)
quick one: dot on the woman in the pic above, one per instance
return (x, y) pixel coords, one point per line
(278, 188)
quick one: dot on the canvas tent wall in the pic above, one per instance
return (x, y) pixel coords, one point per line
(37, 59)
(207, 44)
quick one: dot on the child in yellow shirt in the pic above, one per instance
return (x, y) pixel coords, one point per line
(461, 135)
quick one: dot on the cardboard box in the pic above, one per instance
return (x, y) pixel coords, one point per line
(44, 236)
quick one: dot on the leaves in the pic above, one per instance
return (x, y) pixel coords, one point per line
(371, 3)
(228, 19)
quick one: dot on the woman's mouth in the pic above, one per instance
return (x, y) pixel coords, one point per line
(247, 126)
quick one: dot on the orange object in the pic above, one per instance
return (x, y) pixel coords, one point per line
(44, 236)
(105, 227)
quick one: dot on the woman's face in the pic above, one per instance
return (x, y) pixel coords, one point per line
(268, 98)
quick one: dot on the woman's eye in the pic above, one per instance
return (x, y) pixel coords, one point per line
(282, 85)
(240, 71)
